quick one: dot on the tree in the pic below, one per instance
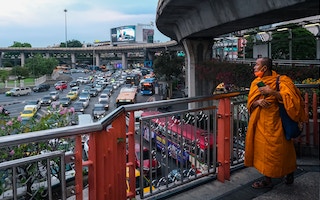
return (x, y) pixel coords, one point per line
(19, 44)
(303, 44)
(39, 66)
(18, 71)
(4, 74)
(71, 43)
(168, 66)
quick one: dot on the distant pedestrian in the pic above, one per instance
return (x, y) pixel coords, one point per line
(266, 146)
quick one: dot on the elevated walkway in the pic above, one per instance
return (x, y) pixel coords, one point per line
(306, 186)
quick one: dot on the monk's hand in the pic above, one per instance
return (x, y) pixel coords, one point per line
(263, 103)
(266, 90)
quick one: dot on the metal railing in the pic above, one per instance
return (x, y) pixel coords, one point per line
(161, 163)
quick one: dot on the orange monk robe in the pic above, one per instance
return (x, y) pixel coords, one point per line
(266, 147)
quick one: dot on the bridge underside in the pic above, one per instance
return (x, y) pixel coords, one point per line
(179, 19)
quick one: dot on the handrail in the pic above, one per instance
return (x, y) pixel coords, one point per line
(43, 135)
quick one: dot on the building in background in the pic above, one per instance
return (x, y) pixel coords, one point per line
(140, 33)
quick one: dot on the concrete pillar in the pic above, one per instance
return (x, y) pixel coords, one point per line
(23, 59)
(318, 44)
(318, 47)
(1, 56)
(197, 52)
(47, 55)
(73, 60)
(97, 59)
(150, 55)
(124, 61)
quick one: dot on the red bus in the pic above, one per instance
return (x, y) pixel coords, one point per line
(197, 143)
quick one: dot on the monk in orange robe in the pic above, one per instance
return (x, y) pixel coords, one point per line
(266, 146)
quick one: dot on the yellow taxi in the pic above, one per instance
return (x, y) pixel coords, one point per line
(146, 182)
(72, 95)
(29, 111)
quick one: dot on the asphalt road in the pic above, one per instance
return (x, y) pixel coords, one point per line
(16, 104)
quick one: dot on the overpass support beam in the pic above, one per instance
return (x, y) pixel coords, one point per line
(73, 60)
(150, 55)
(97, 59)
(197, 52)
(23, 59)
(1, 56)
(124, 61)
(318, 44)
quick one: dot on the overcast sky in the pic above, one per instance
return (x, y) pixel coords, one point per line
(42, 22)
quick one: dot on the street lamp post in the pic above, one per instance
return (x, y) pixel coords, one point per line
(290, 44)
(65, 24)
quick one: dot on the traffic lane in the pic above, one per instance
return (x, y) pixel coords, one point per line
(16, 104)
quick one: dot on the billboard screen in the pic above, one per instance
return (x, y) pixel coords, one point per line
(148, 35)
(123, 34)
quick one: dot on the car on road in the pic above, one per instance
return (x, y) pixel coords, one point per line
(99, 88)
(85, 102)
(80, 80)
(35, 102)
(107, 91)
(19, 91)
(103, 97)
(41, 88)
(72, 96)
(60, 82)
(54, 95)
(61, 86)
(29, 111)
(110, 87)
(78, 107)
(46, 100)
(75, 89)
(73, 84)
(84, 95)
(105, 103)
(93, 92)
(86, 88)
(98, 111)
(65, 101)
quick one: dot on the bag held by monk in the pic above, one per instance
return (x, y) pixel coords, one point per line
(292, 129)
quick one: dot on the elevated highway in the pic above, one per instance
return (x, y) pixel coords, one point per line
(194, 24)
(71, 53)
(179, 19)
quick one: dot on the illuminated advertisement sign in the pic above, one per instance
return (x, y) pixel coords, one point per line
(123, 34)
(147, 35)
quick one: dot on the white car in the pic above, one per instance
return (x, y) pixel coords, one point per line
(54, 95)
(75, 89)
(85, 102)
(36, 102)
(103, 97)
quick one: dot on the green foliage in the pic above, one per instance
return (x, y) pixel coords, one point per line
(71, 43)
(168, 65)
(4, 74)
(19, 71)
(39, 66)
(19, 44)
(56, 117)
(241, 75)
(299, 73)
(303, 44)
